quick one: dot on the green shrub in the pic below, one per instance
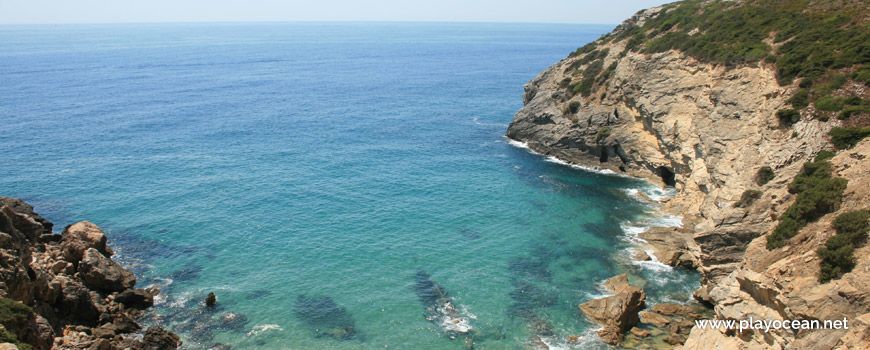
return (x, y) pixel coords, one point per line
(848, 112)
(764, 175)
(13, 312)
(844, 138)
(806, 82)
(854, 225)
(829, 103)
(13, 315)
(800, 99)
(574, 106)
(747, 198)
(817, 194)
(863, 74)
(838, 253)
(824, 155)
(854, 100)
(6, 337)
(601, 134)
(565, 82)
(788, 116)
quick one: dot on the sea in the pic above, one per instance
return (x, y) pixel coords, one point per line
(324, 180)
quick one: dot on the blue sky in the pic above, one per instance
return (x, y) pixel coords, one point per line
(124, 11)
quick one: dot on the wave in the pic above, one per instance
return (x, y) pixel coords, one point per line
(476, 121)
(263, 328)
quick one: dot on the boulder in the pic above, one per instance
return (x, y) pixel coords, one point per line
(75, 301)
(136, 298)
(102, 273)
(611, 335)
(210, 299)
(640, 255)
(640, 333)
(653, 318)
(80, 237)
(157, 338)
(27, 221)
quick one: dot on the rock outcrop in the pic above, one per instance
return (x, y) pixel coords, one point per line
(707, 129)
(618, 313)
(65, 290)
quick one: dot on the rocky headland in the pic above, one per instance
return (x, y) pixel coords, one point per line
(64, 291)
(732, 105)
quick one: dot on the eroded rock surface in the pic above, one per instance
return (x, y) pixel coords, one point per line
(70, 293)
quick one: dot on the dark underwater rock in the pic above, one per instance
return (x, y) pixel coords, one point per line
(325, 317)
(439, 308)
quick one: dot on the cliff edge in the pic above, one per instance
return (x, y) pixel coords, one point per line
(727, 102)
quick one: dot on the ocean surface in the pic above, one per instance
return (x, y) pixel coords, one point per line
(318, 176)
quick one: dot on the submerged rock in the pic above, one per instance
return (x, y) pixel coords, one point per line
(439, 308)
(325, 317)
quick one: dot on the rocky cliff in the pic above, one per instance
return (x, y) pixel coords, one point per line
(658, 99)
(64, 291)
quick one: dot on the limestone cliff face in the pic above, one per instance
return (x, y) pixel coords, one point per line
(707, 129)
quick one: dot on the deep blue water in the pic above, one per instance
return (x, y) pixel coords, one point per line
(319, 166)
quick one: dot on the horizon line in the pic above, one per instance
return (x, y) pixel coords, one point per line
(299, 21)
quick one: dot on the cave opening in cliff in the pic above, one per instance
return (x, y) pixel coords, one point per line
(603, 157)
(668, 176)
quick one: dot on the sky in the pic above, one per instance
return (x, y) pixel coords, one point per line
(139, 11)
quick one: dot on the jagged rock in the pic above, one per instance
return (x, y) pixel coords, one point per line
(80, 237)
(136, 298)
(617, 313)
(75, 301)
(102, 273)
(157, 338)
(640, 255)
(66, 284)
(8, 346)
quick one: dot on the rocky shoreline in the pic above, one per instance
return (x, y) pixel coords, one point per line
(707, 130)
(64, 291)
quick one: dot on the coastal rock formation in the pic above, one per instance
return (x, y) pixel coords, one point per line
(618, 313)
(65, 291)
(709, 129)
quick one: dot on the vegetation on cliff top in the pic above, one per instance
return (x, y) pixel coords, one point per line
(824, 44)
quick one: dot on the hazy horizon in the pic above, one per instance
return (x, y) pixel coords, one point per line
(233, 11)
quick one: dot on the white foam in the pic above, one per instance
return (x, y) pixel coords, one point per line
(476, 121)
(552, 159)
(263, 328)
(632, 235)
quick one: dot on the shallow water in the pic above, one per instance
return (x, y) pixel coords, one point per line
(320, 166)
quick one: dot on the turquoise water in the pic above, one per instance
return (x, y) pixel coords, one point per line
(306, 172)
